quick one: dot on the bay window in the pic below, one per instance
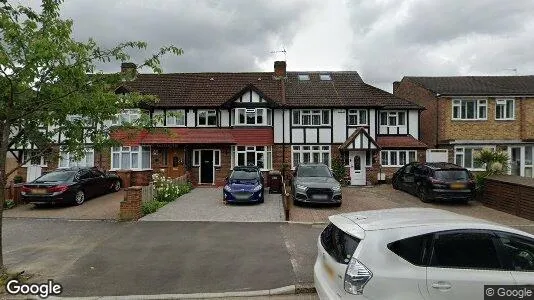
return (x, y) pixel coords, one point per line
(397, 158)
(252, 116)
(505, 109)
(260, 156)
(465, 157)
(130, 158)
(310, 154)
(311, 117)
(469, 109)
(68, 160)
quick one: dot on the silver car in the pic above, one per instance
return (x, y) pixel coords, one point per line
(315, 183)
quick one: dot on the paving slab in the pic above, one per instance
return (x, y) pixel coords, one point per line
(205, 204)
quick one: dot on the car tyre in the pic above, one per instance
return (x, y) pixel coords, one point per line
(395, 184)
(423, 195)
(79, 197)
(296, 202)
(337, 204)
(116, 186)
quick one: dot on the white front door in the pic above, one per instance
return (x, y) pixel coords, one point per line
(357, 167)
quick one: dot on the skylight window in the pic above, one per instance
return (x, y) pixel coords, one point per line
(304, 77)
(325, 77)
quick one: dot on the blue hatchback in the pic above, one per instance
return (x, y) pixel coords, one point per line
(245, 184)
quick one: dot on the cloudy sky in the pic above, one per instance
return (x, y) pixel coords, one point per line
(381, 39)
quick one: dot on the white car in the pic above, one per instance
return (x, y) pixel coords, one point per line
(418, 253)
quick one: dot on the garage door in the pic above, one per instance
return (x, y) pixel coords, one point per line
(437, 155)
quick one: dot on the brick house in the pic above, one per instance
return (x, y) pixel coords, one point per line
(467, 113)
(214, 121)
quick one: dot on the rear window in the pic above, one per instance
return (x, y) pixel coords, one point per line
(56, 177)
(338, 244)
(413, 249)
(451, 175)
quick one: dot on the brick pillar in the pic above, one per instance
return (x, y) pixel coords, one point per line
(126, 177)
(130, 207)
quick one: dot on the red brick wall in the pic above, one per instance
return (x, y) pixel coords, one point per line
(141, 178)
(417, 94)
(130, 207)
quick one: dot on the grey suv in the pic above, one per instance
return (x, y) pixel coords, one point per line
(315, 183)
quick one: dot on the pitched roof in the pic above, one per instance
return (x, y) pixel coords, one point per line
(477, 85)
(345, 89)
(406, 141)
(202, 89)
(260, 137)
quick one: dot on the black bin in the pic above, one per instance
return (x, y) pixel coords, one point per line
(275, 182)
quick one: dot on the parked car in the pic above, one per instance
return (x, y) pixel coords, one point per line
(435, 181)
(73, 186)
(315, 183)
(245, 184)
(418, 253)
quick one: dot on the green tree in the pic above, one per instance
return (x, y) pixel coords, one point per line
(47, 76)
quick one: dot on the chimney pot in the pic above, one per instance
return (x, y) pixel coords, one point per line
(280, 68)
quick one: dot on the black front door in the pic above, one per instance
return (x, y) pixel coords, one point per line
(206, 166)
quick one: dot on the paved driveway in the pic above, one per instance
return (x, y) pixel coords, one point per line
(384, 196)
(205, 204)
(105, 207)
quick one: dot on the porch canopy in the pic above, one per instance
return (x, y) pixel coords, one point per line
(129, 137)
(359, 140)
(400, 142)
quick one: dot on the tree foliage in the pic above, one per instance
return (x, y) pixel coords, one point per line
(46, 77)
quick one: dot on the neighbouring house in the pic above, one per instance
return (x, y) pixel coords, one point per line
(210, 122)
(467, 113)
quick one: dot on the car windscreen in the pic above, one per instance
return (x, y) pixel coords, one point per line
(56, 177)
(313, 171)
(244, 175)
(451, 175)
(338, 244)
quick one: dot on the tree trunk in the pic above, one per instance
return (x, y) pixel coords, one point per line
(4, 140)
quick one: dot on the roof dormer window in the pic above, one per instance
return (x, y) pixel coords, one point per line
(325, 77)
(304, 77)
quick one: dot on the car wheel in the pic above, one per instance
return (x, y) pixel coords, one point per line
(116, 186)
(79, 198)
(296, 202)
(337, 204)
(423, 195)
(395, 184)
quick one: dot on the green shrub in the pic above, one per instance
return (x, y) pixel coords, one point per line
(8, 203)
(339, 171)
(495, 162)
(151, 206)
(18, 179)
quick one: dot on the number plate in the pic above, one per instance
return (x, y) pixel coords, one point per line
(39, 191)
(457, 186)
(320, 197)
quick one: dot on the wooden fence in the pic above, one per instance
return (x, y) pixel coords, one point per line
(147, 192)
(511, 194)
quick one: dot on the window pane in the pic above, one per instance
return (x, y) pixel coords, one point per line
(384, 155)
(269, 117)
(475, 164)
(241, 148)
(306, 157)
(459, 160)
(212, 119)
(456, 112)
(363, 117)
(326, 158)
(202, 118)
(383, 118)
(315, 147)
(259, 116)
(482, 112)
(510, 109)
(402, 118)
(196, 157)
(528, 155)
(89, 159)
(470, 109)
(393, 158)
(260, 160)
(338, 244)
(135, 160)
(465, 250)
(296, 117)
(296, 158)
(499, 111)
(411, 156)
(520, 250)
(260, 148)
(402, 158)
(240, 159)
(411, 249)
(326, 117)
(251, 159)
(241, 116)
(306, 120)
(217, 155)
(392, 120)
(116, 160)
(468, 158)
(145, 158)
(269, 164)
(125, 160)
(305, 147)
(353, 120)
(251, 117)
(316, 157)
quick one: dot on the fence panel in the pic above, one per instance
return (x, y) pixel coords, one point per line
(147, 192)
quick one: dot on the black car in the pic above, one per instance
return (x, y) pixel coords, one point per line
(315, 183)
(435, 181)
(70, 186)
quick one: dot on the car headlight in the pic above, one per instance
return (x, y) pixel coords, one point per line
(301, 187)
(336, 188)
(257, 188)
(227, 188)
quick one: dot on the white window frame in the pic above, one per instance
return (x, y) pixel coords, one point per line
(459, 105)
(460, 151)
(123, 150)
(216, 157)
(267, 155)
(301, 150)
(172, 121)
(395, 115)
(357, 113)
(311, 113)
(504, 104)
(128, 115)
(209, 112)
(70, 162)
(390, 154)
(265, 112)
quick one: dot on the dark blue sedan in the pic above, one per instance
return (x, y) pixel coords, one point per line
(245, 184)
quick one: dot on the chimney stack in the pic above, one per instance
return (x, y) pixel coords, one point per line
(395, 86)
(129, 68)
(279, 69)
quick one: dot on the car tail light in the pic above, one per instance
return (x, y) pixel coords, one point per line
(25, 189)
(356, 277)
(58, 189)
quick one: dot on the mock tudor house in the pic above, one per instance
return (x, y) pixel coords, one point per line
(212, 122)
(467, 113)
